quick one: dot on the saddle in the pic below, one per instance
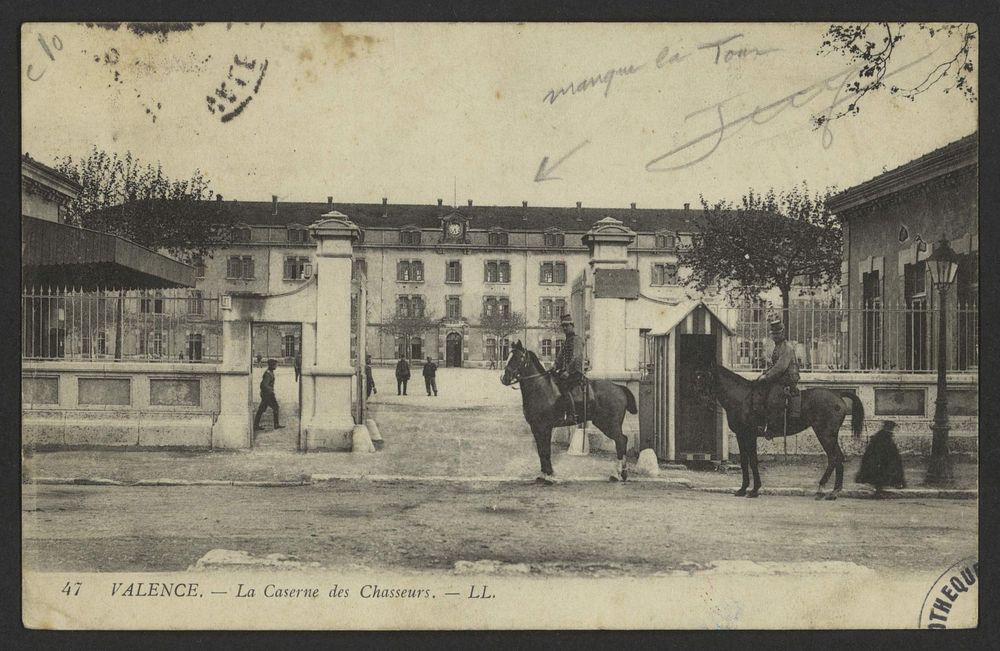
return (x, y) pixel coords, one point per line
(777, 406)
(576, 392)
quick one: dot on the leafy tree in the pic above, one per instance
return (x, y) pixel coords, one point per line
(135, 200)
(500, 326)
(774, 240)
(873, 46)
(407, 326)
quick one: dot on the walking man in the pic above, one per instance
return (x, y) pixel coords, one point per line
(402, 375)
(267, 398)
(568, 369)
(369, 378)
(430, 377)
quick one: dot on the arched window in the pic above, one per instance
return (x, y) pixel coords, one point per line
(241, 233)
(498, 238)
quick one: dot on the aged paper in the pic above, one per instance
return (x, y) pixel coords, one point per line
(264, 206)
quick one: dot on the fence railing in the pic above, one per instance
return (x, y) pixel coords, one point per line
(112, 326)
(875, 338)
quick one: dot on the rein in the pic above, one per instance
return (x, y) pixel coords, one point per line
(517, 378)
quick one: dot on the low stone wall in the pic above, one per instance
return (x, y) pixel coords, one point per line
(907, 399)
(70, 404)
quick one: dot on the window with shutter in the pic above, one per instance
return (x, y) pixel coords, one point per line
(418, 271)
(248, 268)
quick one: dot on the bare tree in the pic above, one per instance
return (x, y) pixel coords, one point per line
(502, 325)
(407, 326)
(873, 47)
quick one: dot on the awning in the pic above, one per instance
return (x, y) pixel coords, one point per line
(59, 255)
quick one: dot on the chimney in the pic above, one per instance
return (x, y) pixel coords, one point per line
(470, 203)
(687, 206)
(385, 201)
(440, 201)
(633, 205)
(524, 204)
(579, 204)
(218, 197)
(329, 203)
(274, 204)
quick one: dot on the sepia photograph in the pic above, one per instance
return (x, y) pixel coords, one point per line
(402, 326)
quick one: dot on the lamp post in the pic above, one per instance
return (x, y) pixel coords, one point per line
(943, 264)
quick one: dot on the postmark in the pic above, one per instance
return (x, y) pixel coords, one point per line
(953, 600)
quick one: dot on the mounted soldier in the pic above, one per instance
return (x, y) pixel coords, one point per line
(782, 402)
(568, 371)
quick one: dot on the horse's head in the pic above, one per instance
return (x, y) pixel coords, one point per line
(516, 364)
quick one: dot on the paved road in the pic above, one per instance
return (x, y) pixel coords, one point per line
(575, 528)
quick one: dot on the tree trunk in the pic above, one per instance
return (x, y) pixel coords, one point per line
(785, 301)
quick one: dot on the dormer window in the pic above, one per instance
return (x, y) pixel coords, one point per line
(499, 238)
(555, 239)
(241, 233)
(297, 234)
(665, 240)
(409, 236)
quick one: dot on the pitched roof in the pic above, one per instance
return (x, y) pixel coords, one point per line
(375, 215)
(956, 155)
(674, 314)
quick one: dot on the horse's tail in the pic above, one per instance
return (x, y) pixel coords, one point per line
(629, 401)
(857, 412)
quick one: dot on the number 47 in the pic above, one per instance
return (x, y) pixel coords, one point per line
(71, 589)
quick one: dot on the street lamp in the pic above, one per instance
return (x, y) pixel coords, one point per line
(943, 264)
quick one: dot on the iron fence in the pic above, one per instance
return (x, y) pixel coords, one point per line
(114, 326)
(875, 338)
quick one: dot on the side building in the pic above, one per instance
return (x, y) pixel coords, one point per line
(450, 264)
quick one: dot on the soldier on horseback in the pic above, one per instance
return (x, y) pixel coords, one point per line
(780, 381)
(568, 369)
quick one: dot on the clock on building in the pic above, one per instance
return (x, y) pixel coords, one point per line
(454, 229)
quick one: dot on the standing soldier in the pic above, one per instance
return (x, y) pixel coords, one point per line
(267, 398)
(402, 375)
(568, 368)
(430, 377)
(780, 380)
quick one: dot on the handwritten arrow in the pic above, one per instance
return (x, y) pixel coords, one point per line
(544, 174)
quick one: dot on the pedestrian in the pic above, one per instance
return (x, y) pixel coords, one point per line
(369, 378)
(881, 464)
(297, 365)
(267, 398)
(430, 377)
(402, 376)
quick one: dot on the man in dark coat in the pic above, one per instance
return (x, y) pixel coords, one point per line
(267, 398)
(881, 464)
(402, 376)
(369, 378)
(568, 368)
(780, 382)
(430, 377)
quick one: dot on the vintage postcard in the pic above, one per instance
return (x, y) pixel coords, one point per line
(500, 326)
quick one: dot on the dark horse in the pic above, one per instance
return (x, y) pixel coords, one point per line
(822, 409)
(540, 402)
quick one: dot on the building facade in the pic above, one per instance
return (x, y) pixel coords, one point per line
(450, 264)
(892, 223)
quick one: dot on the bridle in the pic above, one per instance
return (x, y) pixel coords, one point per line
(518, 375)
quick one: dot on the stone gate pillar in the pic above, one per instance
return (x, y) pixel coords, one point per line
(328, 422)
(611, 282)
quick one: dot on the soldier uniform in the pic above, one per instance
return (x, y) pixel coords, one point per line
(781, 381)
(568, 368)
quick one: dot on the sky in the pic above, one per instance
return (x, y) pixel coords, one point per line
(552, 114)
